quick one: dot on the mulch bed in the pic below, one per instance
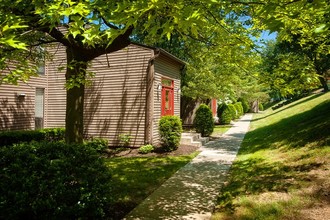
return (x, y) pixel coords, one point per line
(134, 152)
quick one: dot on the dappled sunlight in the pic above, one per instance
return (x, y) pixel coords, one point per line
(135, 178)
(282, 171)
(293, 132)
(191, 193)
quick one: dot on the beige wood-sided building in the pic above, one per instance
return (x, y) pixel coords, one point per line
(131, 90)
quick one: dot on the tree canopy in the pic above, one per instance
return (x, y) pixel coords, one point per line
(213, 36)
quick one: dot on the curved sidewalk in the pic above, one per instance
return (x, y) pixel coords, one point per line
(192, 191)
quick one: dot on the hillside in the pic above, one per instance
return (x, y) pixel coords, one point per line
(283, 167)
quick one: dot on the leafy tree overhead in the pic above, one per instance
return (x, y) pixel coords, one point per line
(303, 26)
(89, 29)
(287, 71)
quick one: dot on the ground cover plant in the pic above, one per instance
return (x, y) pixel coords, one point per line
(282, 169)
(134, 178)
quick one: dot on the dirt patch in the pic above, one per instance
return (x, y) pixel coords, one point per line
(158, 152)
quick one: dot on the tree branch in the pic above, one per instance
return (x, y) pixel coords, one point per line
(106, 22)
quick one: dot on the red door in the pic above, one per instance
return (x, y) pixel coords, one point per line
(167, 100)
(214, 107)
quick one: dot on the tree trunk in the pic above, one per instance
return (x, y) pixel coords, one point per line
(324, 83)
(75, 78)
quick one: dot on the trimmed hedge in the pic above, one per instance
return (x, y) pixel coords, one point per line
(220, 109)
(239, 109)
(232, 110)
(170, 129)
(226, 116)
(8, 138)
(53, 180)
(203, 121)
(245, 104)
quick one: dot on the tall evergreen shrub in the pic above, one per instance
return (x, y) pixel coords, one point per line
(245, 104)
(226, 116)
(203, 121)
(220, 109)
(170, 129)
(239, 109)
(232, 110)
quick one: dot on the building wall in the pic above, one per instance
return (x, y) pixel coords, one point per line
(115, 103)
(171, 69)
(56, 94)
(115, 100)
(189, 107)
(17, 112)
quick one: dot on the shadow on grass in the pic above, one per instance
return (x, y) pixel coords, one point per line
(255, 176)
(296, 131)
(292, 105)
(135, 178)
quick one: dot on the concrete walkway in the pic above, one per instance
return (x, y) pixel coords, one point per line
(192, 191)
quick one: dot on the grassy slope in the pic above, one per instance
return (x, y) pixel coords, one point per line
(282, 170)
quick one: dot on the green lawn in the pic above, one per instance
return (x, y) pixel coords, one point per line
(135, 178)
(220, 130)
(282, 169)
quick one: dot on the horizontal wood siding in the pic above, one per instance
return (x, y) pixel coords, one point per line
(115, 103)
(17, 113)
(115, 99)
(168, 68)
(56, 94)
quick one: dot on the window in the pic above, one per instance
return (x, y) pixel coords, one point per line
(40, 60)
(39, 108)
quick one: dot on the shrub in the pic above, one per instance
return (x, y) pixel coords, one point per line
(237, 114)
(239, 109)
(13, 137)
(245, 104)
(124, 140)
(203, 121)
(226, 116)
(53, 134)
(232, 110)
(146, 149)
(261, 107)
(99, 144)
(220, 109)
(53, 181)
(170, 129)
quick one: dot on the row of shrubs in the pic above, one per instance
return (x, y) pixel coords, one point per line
(229, 112)
(204, 121)
(54, 180)
(14, 137)
(42, 177)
